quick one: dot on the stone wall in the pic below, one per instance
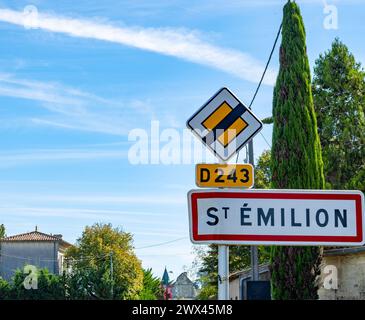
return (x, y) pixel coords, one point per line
(350, 275)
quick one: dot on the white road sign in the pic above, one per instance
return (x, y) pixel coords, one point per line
(277, 217)
(224, 124)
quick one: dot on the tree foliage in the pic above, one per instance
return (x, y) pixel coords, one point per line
(49, 287)
(4, 289)
(67, 287)
(92, 277)
(296, 160)
(152, 289)
(2, 231)
(339, 100)
(263, 171)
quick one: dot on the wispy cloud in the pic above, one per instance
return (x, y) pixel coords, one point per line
(39, 91)
(23, 157)
(135, 221)
(180, 43)
(71, 108)
(210, 5)
(76, 212)
(97, 199)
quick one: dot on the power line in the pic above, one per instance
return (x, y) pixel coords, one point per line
(267, 65)
(262, 78)
(15, 257)
(95, 258)
(161, 243)
(265, 140)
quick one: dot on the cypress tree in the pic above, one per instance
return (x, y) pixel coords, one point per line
(296, 160)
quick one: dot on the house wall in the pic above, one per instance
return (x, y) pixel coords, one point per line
(183, 288)
(15, 255)
(351, 277)
(234, 289)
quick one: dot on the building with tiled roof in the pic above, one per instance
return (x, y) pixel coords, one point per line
(35, 248)
(35, 236)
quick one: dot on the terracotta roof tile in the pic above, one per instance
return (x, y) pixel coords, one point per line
(33, 236)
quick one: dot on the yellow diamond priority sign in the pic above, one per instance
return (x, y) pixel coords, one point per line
(224, 124)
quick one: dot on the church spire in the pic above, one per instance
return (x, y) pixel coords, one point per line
(165, 278)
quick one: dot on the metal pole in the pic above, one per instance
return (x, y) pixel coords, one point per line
(223, 272)
(255, 263)
(254, 251)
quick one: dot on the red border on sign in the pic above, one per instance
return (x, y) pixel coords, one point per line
(276, 238)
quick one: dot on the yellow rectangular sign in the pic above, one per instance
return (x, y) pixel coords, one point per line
(224, 175)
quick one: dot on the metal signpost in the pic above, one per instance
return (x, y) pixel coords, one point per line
(223, 272)
(254, 250)
(224, 125)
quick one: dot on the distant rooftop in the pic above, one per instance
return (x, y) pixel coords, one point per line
(35, 236)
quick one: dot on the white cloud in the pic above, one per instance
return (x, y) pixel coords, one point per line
(77, 212)
(98, 199)
(133, 221)
(71, 108)
(212, 5)
(11, 86)
(14, 158)
(180, 43)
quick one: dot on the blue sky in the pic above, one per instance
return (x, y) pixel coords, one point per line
(73, 88)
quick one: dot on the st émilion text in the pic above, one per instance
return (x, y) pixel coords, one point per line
(280, 216)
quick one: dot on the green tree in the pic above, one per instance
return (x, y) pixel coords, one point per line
(100, 246)
(263, 171)
(152, 289)
(2, 231)
(339, 99)
(358, 181)
(4, 289)
(79, 284)
(49, 287)
(296, 160)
